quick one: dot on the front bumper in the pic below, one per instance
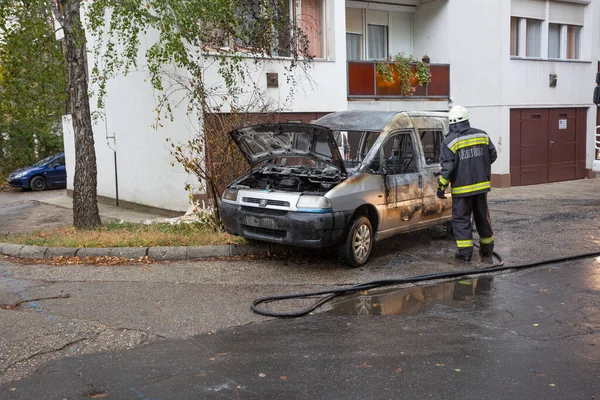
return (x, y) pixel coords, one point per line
(284, 227)
(18, 183)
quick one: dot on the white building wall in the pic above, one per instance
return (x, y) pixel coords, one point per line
(473, 37)
(431, 27)
(145, 173)
(401, 33)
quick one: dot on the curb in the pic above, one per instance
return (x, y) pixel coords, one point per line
(154, 253)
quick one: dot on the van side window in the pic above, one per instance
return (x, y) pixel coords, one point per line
(399, 155)
(432, 144)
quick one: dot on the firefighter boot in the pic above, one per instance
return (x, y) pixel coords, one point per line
(464, 254)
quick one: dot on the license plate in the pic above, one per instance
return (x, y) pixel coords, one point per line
(261, 222)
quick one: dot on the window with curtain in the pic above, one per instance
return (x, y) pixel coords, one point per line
(573, 42)
(353, 46)
(377, 45)
(534, 38)
(514, 36)
(311, 23)
(554, 41)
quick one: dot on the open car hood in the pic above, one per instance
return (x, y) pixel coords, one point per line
(259, 143)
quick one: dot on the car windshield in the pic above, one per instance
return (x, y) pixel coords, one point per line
(354, 145)
(43, 162)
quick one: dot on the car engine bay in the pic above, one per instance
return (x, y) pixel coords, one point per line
(292, 179)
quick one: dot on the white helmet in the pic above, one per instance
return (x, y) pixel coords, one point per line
(458, 114)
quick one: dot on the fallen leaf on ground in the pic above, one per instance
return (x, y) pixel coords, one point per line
(398, 370)
(99, 396)
(457, 369)
(552, 384)
(536, 324)
(261, 375)
(283, 378)
(439, 365)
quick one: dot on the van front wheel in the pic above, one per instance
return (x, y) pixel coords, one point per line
(357, 245)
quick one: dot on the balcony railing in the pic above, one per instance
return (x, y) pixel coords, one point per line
(365, 82)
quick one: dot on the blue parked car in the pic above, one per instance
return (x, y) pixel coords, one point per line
(47, 173)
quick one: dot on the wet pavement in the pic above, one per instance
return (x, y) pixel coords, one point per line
(531, 334)
(517, 333)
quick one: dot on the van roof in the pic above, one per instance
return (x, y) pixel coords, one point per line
(368, 121)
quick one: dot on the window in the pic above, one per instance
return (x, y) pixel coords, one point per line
(308, 17)
(399, 155)
(378, 42)
(374, 34)
(514, 36)
(563, 21)
(554, 41)
(311, 23)
(534, 38)
(353, 46)
(432, 144)
(573, 42)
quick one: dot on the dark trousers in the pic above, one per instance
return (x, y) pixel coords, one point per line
(462, 209)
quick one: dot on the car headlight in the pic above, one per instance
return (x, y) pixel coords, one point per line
(230, 194)
(19, 175)
(598, 154)
(315, 204)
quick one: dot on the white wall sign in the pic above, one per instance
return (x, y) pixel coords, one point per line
(562, 124)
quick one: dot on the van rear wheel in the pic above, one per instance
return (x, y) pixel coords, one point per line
(356, 247)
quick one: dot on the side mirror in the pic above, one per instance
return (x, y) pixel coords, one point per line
(597, 95)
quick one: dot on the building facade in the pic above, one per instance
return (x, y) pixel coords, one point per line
(524, 68)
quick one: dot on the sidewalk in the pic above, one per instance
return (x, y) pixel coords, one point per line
(61, 199)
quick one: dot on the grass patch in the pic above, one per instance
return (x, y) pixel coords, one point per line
(127, 235)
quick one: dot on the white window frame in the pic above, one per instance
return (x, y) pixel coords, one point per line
(544, 49)
(377, 7)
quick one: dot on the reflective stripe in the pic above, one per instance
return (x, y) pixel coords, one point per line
(464, 243)
(471, 188)
(467, 137)
(468, 143)
(487, 240)
(444, 181)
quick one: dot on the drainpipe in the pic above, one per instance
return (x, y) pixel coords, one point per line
(114, 149)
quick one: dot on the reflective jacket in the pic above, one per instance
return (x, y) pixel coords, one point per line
(466, 157)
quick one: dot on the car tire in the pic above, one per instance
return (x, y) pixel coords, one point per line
(37, 183)
(356, 247)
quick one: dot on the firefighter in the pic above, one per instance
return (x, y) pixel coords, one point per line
(467, 155)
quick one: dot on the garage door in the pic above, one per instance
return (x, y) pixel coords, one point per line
(547, 145)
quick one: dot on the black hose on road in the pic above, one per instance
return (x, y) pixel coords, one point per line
(332, 293)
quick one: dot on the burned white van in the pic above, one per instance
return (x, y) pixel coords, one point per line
(350, 179)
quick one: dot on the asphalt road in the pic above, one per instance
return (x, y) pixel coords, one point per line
(528, 335)
(120, 313)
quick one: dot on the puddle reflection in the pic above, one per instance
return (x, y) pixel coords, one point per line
(409, 301)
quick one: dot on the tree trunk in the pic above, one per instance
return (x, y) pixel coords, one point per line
(85, 206)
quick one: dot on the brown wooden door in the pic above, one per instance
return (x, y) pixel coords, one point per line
(547, 145)
(529, 156)
(563, 145)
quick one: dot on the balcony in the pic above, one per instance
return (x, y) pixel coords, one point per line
(365, 83)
